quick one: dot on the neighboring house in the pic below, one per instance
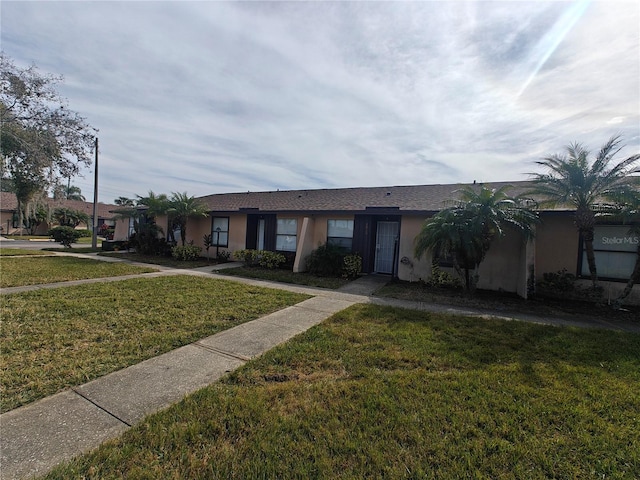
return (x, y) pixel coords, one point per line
(381, 223)
(10, 222)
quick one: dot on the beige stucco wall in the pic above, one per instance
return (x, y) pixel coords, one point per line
(504, 265)
(197, 228)
(415, 269)
(305, 244)
(556, 244)
(121, 230)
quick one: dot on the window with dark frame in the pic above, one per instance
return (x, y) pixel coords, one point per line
(132, 227)
(220, 232)
(286, 234)
(615, 250)
(340, 234)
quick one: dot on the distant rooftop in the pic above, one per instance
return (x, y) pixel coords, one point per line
(9, 202)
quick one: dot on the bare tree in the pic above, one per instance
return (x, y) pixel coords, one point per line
(41, 139)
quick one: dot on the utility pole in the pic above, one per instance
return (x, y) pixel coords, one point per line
(94, 238)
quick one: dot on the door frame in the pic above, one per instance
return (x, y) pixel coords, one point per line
(365, 230)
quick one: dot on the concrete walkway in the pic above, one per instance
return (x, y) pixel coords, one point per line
(38, 436)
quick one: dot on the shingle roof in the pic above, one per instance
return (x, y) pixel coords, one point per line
(412, 198)
(9, 202)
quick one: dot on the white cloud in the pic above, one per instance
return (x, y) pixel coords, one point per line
(213, 97)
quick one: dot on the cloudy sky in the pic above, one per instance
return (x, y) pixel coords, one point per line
(214, 97)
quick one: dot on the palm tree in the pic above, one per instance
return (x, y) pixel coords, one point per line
(573, 180)
(466, 230)
(124, 202)
(70, 192)
(68, 217)
(74, 193)
(147, 233)
(156, 204)
(448, 234)
(181, 207)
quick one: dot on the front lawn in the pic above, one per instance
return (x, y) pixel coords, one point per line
(53, 339)
(379, 392)
(38, 270)
(285, 276)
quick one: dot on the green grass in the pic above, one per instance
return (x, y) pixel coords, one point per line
(38, 270)
(158, 260)
(388, 393)
(11, 252)
(285, 276)
(53, 339)
(89, 240)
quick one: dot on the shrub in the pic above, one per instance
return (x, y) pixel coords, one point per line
(186, 252)
(224, 256)
(85, 233)
(560, 281)
(270, 260)
(352, 266)
(249, 257)
(326, 261)
(262, 258)
(442, 279)
(106, 231)
(65, 235)
(147, 240)
(562, 284)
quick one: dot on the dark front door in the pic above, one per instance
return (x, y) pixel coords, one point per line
(261, 232)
